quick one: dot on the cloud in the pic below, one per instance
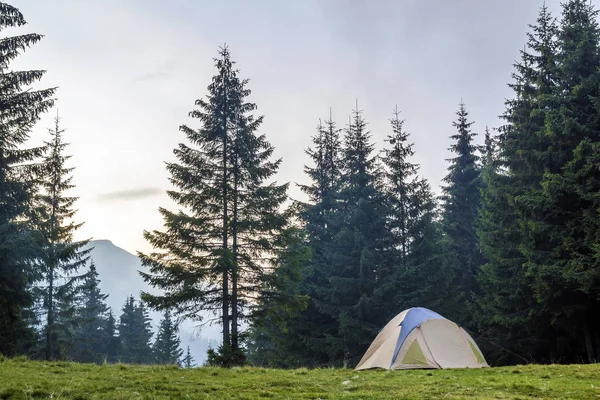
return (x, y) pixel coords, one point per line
(162, 72)
(131, 194)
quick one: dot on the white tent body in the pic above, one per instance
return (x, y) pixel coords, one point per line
(421, 338)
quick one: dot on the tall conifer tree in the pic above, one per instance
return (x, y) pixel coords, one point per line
(357, 266)
(563, 252)
(401, 185)
(92, 318)
(195, 270)
(135, 333)
(20, 108)
(61, 257)
(220, 248)
(461, 202)
(281, 338)
(414, 253)
(167, 346)
(319, 218)
(514, 230)
(111, 343)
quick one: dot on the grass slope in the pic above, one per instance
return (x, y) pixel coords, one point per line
(21, 379)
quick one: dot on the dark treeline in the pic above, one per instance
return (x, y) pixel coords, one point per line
(510, 249)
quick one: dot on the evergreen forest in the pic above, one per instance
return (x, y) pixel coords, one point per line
(509, 247)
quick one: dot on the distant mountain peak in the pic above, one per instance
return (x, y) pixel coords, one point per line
(101, 241)
(119, 278)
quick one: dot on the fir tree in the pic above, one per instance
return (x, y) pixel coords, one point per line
(289, 339)
(135, 334)
(198, 278)
(488, 150)
(357, 266)
(259, 228)
(188, 360)
(277, 332)
(61, 257)
(414, 254)
(20, 109)
(111, 343)
(319, 215)
(167, 346)
(561, 254)
(92, 316)
(510, 313)
(401, 185)
(218, 251)
(461, 201)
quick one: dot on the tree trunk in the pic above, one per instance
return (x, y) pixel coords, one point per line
(589, 340)
(593, 318)
(596, 337)
(225, 256)
(50, 321)
(234, 275)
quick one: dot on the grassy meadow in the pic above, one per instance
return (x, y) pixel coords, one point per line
(22, 379)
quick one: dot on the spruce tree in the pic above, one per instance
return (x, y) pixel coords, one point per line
(562, 252)
(509, 311)
(260, 228)
(188, 360)
(20, 108)
(276, 335)
(61, 257)
(543, 195)
(135, 333)
(461, 202)
(414, 254)
(92, 317)
(319, 217)
(357, 266)
(283, 339)
(111, 343)
(167, 346)
(199, 277)
(401, 184)
(217, 250)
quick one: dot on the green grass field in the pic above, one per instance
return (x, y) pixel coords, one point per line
(21, 379)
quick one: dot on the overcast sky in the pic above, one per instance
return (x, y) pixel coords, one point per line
(129, 72)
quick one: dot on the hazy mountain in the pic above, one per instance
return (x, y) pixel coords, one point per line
(119, 278)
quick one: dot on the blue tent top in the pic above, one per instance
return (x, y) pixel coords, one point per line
(413, 318)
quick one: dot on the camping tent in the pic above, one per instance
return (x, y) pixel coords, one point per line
(421, 338)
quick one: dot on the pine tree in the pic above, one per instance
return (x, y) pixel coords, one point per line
(188, 360)
(461, 201)
(111, 343)
(20, 108)
(288, 339)
(562, 253)
(415, 253)
(199, 277)
(167, 346)
(218, 251)
(61, 256)
(401, 186)
(357, 266)
(259, 228)
(319, 215)
(279, 324)
(510, 313)
(92, 316)
(135, 334)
